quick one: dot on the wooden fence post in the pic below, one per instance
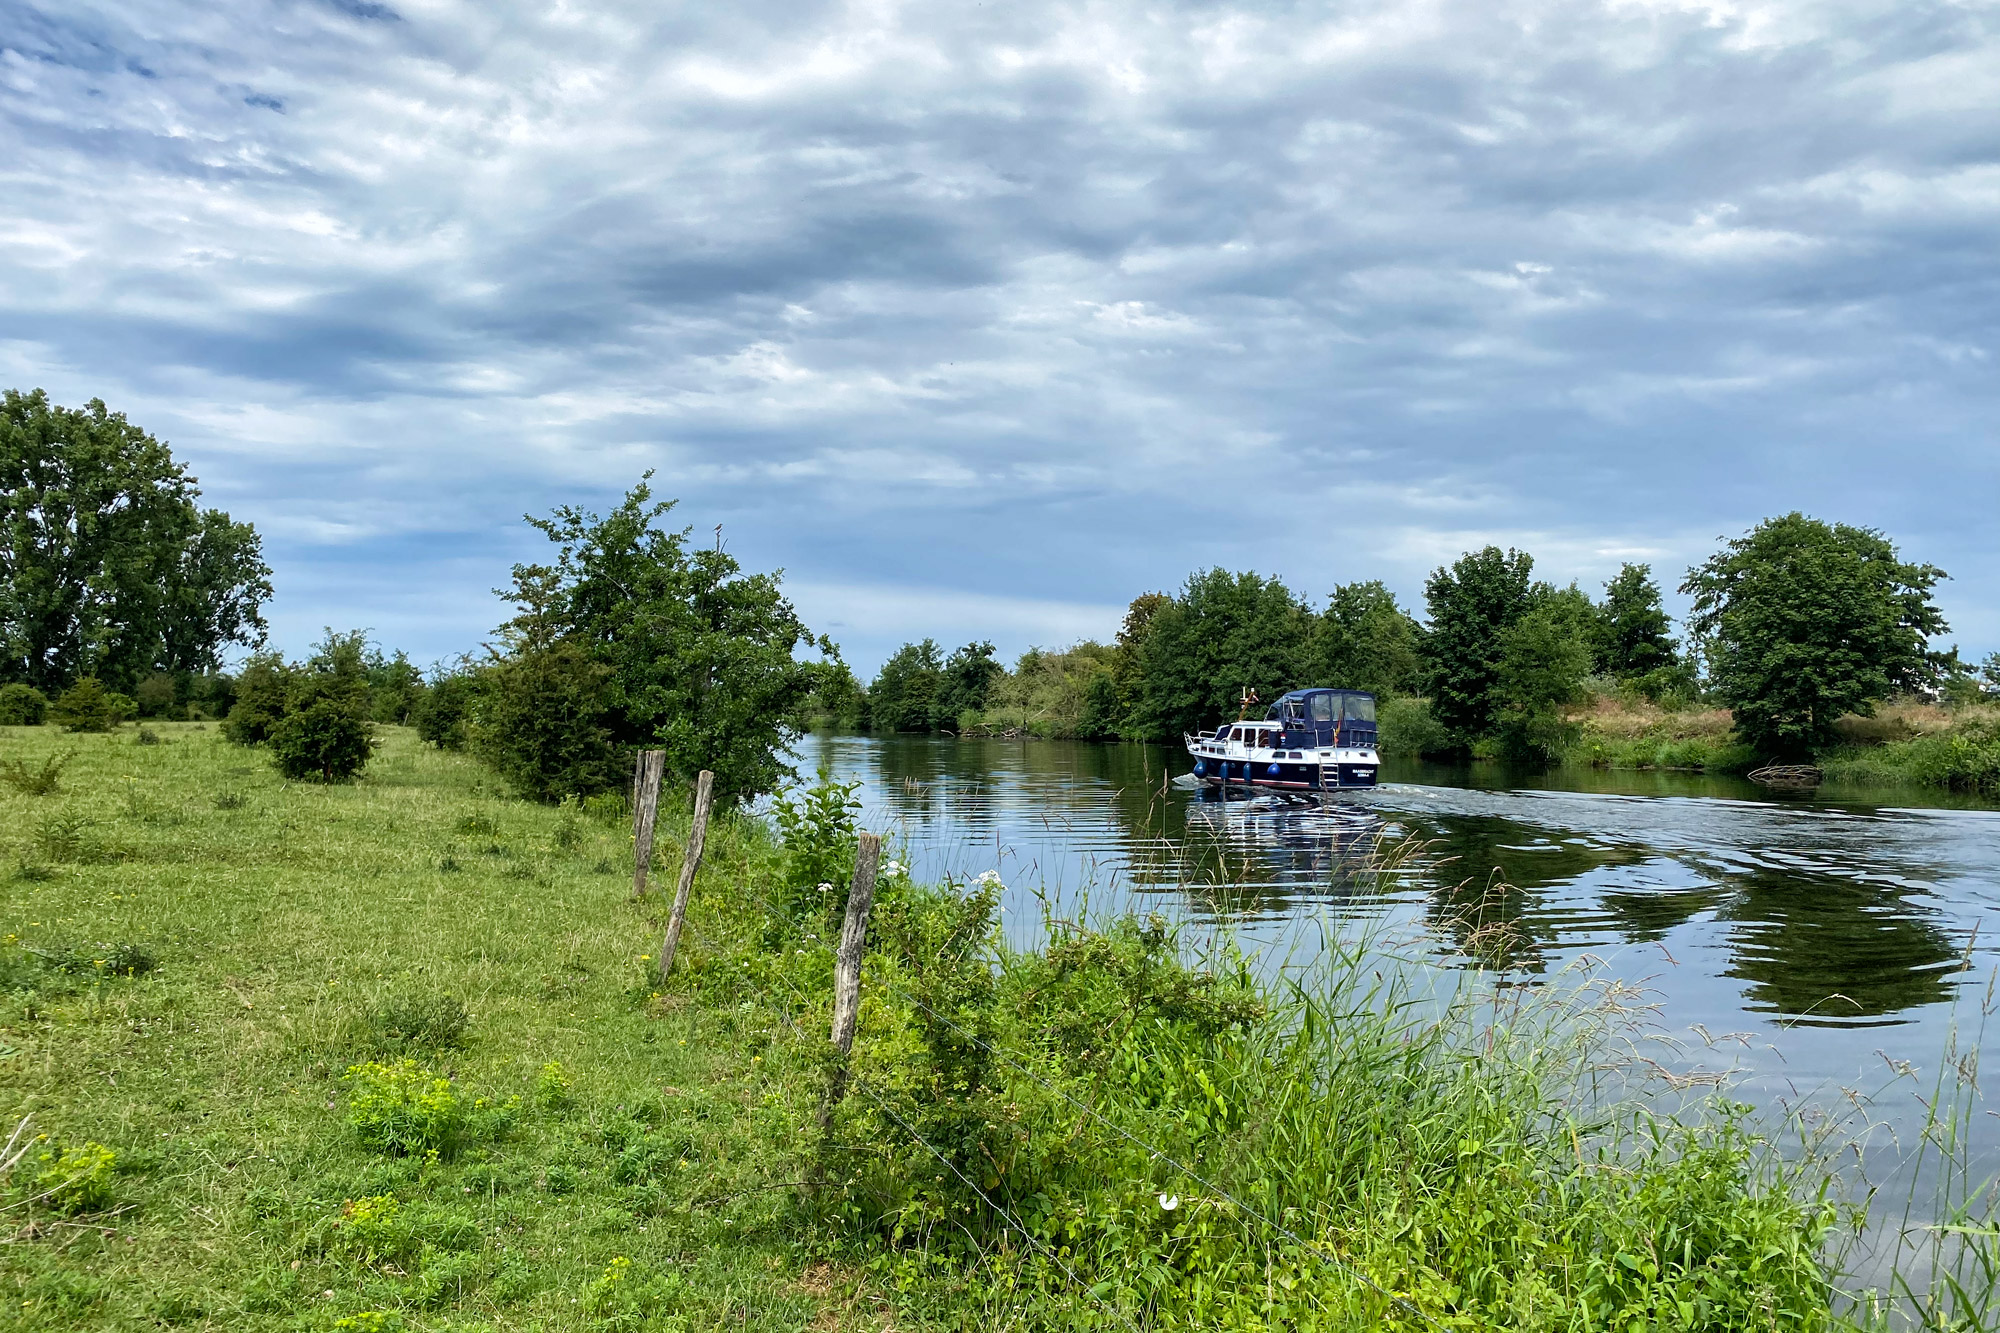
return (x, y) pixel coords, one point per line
(704, 791)
(645, 813)
(847, 967)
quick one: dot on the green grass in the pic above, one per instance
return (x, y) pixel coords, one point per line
(392, 1055)
(300, 930)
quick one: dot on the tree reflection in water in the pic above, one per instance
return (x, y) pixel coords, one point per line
(1796, 910)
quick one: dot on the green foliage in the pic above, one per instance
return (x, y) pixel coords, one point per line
(1364, 641)
(1224, 633)
(554, 1089)
(395, 687)
(418, 1022)
(816, 824)
(906, 695)
(262, 694)
(838, 698)
(444, 714)
(324, 734)
(403, 1108)
(43, 781)
(697, 657)
(108, 567)
(1631, 629)
(22, 705)
(75, 1180)
(1802, 621)
(1406, 728)
(545, 718)
(88, 706)
(158, 695)
(1544, 657)
(1472, 605)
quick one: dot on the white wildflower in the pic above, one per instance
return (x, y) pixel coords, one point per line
(1169, 1202)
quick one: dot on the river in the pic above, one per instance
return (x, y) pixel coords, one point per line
(1821, 949)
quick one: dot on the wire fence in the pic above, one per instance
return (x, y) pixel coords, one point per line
(1153, 1151)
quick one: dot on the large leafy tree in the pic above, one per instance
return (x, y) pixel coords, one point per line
(694, 656)
(1632, 638)
(1802, 621)
(969, 677)
(1472, 604)
(1364, 641)
(1222, 633)
(108, 567)
(906, 691)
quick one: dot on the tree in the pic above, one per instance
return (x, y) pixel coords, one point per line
(1223, 633)
(905, 694)
(1802, 621)
(701, 658)
(1632, 637)
(1544, 657)
(1364, 641)
(1472, 605)
(107, 565)
(967, 685)
(22, 706)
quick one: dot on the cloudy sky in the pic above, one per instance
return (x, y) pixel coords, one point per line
(979, 319)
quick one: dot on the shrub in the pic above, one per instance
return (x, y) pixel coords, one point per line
(261, 696)
(403, 1108)
(22, 706)
(1407, 728)
(545, 724)
(325, 741)
(419, 1022)
(41, 781)
(63, 837)
(373, 1229)
(158, 695)
(88, 706)
(443, 717)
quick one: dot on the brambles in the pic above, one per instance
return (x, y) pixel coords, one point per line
(146, 736)
(22, 705)
(418, 1022)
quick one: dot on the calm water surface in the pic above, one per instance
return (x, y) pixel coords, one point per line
(1798, 944)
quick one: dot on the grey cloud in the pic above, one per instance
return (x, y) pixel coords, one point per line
(1044, 302)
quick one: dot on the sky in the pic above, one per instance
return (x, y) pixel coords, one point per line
(980, 319)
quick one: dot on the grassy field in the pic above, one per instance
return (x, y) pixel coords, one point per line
(624, 1157)
(392, 1055)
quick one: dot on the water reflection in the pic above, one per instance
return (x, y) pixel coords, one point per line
(1810, 910)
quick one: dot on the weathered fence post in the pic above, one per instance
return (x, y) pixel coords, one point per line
(704, 790)
(847, 968)
(645, 812)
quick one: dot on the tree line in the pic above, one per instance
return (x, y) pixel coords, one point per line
(122, 597)
(1794, 625)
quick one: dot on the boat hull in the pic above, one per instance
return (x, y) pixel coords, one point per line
(1293, 777)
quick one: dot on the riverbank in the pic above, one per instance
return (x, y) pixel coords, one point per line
(206, 963)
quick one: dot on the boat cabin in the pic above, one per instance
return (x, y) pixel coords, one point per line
(1326, 717)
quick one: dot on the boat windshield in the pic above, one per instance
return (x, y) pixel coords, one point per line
(1360, 708)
